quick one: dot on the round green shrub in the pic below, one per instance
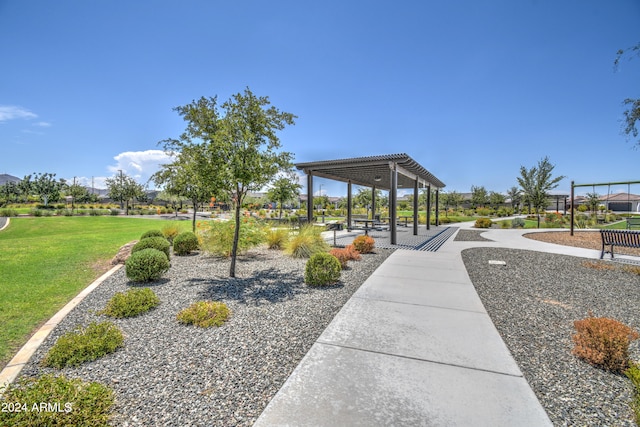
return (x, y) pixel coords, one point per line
(159, 243)
(131, 303)
(151, 233)
(184, 243)
(517, 223)
(322, 269)
(146, 265)
(483, 223)
(204, 314)
(84, 345)
(81, 403)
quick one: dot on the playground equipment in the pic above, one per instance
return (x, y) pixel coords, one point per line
(608, 184)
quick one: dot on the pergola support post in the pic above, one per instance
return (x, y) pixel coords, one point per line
(392, 205)
(415, 207)
(373, 203)
(429, 207)
(349, 205)
(310, 198)
(437, 207)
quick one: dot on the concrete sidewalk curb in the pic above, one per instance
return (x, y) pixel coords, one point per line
(13, 368)
(6, 223)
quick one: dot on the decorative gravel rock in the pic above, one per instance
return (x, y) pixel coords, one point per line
(533, 300)
(171, 374)
(471, 236)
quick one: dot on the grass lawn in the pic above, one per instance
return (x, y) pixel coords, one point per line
(44, 262)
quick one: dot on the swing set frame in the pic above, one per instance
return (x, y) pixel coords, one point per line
(609, 184)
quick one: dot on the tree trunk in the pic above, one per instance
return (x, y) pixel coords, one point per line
(236, 236)
(193, 221)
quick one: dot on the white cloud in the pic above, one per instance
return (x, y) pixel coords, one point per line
(42, 124)
(12, 112)
(139, 164)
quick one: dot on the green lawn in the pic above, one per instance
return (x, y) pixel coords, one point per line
(45, 262)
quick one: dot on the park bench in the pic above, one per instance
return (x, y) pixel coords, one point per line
(633, 222)
(624, 238)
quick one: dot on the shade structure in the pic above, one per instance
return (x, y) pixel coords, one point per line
(385, 172)
(373, 171)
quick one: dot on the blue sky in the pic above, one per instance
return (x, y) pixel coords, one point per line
(470, 89)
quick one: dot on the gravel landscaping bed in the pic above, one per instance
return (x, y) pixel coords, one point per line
(171, 374)
(533, 301)
(471, 236)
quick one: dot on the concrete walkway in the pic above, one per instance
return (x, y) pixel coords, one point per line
(414, 346)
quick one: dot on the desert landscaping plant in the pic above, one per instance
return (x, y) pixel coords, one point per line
(306, 243)
(84, 345)
(216, 237)
(483, 223)
(185, 243)
(131, 303)
(152, 233)
(322, 269)
(205, 314)
(277, 238)
(364, 244)
(146, 265)
(348, 253)
(159, 243)
(52, 400)
(603, 342)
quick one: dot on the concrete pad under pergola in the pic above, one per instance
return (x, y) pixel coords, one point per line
(385, 172)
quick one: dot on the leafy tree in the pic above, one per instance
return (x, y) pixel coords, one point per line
(284, 189)
(536, 184)
(186, 177)
(77, 192)
(496, 199)
(515, 195)
(632, 114)
(9, 192)
(593, 201)
(46, 187)
(240, 144)
(25, 187)
(125, 189)
(479, 196)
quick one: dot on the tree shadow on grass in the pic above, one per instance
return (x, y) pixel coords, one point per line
(268, 285)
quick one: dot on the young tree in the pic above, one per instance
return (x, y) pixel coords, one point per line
(593, 201)
(240, 144)
(46, 187)
(125, 189)
(284, 189)
(496, 199)
(186, 177)
(77, 192)
(479, 196)
(536, 184)
(515, 195)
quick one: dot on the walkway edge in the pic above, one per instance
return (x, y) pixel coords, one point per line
(6, 224)
(13, 368)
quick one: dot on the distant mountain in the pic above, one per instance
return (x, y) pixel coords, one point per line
(4, 178)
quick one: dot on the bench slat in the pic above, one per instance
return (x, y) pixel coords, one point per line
(624, 238)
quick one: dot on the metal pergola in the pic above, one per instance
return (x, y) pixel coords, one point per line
(385, 172)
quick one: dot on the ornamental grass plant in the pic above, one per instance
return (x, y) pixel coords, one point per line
(306, 243)
(131, 303)
(205, 314)
(216, 237)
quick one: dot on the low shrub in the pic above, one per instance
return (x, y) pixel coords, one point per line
(349, 253)
(78, 403)
(306, 243)
(114, 212)
(205, 314)
(322, 269)
(633, 373)
(84, 345)
(185, 243)
(152, 233)
(170, 231)
(131, 303)
(277, 238)
(517, 223)
(159, 243)
(7, 212)
(505, 224)
(364, 244)
(483, 223)
(146, 265)
(444, 220)
(603, 342)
